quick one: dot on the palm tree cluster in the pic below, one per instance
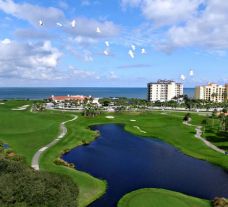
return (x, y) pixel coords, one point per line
(91, 110)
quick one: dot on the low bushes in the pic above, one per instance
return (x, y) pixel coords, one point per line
(220, 202)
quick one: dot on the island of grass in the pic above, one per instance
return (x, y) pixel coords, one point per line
(151, 197)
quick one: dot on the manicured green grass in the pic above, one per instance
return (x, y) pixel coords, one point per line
(27, 132)
(215, 136)
(150, 197)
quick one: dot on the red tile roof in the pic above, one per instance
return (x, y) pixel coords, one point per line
(68, 98)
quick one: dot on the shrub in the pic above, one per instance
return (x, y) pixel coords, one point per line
(22, 186)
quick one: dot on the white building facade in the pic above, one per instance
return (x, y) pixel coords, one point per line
(212, 92)
(164, 90)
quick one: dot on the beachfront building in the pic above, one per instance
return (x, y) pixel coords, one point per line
(164, 90)
(76, 98)
(212, 92)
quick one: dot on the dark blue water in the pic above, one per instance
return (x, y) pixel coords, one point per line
(41, 93)
(128, 162)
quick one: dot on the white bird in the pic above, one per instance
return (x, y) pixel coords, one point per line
(59, 24)
(133, 47)
(182, 77)
(131, 54)
(107, 43)
(143, 51)
(98, 30)
(41, 23)
(191, 73)
(106, 52)
(73, 23)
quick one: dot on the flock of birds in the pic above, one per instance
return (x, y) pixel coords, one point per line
(131, 52)
(106, 51)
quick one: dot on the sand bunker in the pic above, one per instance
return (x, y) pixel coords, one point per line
(137, 127)
(133, 120)
(110, 117)
(22, 108)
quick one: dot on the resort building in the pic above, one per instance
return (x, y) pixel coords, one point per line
(77, 98)
(164, 90)
(212, 92)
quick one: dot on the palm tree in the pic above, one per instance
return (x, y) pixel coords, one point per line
(204, 123)
(222, 119)
(213, 116)
(214, 95)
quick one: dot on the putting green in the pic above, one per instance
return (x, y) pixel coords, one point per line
(150, 197)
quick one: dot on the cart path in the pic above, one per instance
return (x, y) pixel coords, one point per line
(198, 135)
(62, 133)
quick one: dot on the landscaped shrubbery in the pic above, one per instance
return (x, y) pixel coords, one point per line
(22, 186)
(220, 202)
(59, 161)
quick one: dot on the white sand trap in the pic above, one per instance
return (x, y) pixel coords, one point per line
(133, 120)
(137, 127)
(22, 108)
(110, 117)
(2, 103)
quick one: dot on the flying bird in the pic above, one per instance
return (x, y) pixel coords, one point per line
(73, 23)
(59, 24)
(182, 77)
(133, 47)
(98, 30)
(106, 52)
(41, 23)
(143, 51)
(107, 43)
(131, 54)
(191, 73)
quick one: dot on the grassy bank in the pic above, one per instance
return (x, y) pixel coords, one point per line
(150, 197)
(90, 188)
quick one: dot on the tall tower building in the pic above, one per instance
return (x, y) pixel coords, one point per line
(164, 90)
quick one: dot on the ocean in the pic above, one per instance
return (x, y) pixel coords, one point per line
(36, 93)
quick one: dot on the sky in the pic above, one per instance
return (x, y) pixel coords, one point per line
(112, 43)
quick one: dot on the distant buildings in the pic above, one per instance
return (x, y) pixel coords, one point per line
(164, 90)
(212, 92)
(77, 98)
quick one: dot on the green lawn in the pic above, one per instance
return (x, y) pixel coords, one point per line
(150, 197)
(27, 132)
(218, 138)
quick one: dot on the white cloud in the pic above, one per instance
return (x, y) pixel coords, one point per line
(209, 30)
(163, 12)
(87, 27)
(6, 41)
(112, 76)
(82, 74)
(31, 13)
(29, 61)
(83, 34)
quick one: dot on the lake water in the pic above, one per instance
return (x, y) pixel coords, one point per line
(41, 92)
(128, 163)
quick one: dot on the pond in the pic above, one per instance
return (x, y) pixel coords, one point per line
(128, 162)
